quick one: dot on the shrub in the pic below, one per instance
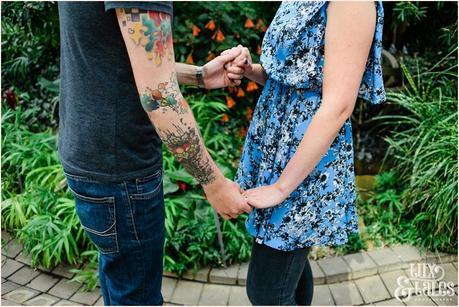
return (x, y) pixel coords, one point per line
(417, 201)
(38, 205)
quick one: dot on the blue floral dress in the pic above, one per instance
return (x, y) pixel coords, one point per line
(322, 210)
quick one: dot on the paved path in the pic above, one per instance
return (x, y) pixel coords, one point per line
(367, 278)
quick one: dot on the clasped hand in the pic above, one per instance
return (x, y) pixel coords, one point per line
(226, 197)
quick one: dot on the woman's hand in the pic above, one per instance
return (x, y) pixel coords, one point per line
(241, 66)
(216, 76)
(265, 196)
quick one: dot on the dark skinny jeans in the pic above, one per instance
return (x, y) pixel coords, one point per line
(278, 277)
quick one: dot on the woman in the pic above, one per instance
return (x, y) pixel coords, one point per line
(297, 163)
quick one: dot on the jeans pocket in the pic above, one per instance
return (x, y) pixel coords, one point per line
(148, 208)
(147, 187)
(98, 218)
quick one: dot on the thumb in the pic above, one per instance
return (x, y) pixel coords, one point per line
(230, 56)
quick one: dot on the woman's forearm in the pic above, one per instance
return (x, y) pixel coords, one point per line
(348, 38)
(315, 143)
(257, 74)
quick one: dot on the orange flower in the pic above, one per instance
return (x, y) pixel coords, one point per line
(225, 118)
(258, 49)
(210, 25)
(218, 36)
(260, 24)
(263, 29)
(195, 30)
(248, 23)
(210, 57)
(243, 132)
(230, 102)
(240, 92)
(249, 113)
(189, 59)
(251, 86)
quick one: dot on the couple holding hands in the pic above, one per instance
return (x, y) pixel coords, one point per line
(296, 174)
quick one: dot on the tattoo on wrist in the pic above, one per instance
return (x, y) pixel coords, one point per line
(164, 96)
(184, 143)
(151, 30)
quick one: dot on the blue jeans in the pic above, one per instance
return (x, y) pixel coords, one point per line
(277, 277)
(125, 220)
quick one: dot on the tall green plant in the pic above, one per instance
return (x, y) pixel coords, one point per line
(423, 152)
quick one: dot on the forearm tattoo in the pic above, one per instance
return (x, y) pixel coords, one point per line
(164, 96)
(151, 30)
(186, 147)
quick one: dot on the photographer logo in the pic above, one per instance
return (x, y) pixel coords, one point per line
(424, 278)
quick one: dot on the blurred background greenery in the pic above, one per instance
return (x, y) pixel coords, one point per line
(405, 150)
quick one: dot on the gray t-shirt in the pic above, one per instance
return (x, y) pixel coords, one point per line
(104, 133)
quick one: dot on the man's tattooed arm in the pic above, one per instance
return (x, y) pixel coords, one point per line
(148, 41)
(149, 30)
(187, 149)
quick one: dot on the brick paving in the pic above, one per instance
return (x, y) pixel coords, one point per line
(366, 278)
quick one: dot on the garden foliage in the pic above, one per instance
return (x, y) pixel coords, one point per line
(414, 201)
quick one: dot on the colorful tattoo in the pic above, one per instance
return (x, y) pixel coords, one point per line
(164, 96)
(186, 147)
(151, 30)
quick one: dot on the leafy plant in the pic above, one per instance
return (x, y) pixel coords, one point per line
(418, 201)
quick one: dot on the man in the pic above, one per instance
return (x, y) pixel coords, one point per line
(119, 101)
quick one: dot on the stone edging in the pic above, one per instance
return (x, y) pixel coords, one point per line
(333, 269)
(325, 271)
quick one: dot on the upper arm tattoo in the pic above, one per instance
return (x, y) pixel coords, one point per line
(150, 30)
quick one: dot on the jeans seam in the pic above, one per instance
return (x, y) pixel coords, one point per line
(80, 178)
(102, 200)
(102, 233)
(284, 281)
(149, 177)
(130, 212)
(115, 234)
(148, 195)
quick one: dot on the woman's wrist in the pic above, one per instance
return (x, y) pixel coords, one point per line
(283, 187)
(257, 74)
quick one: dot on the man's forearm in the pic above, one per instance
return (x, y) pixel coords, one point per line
(151, 54)
(185, 143)
(186, 74)
(176, 126)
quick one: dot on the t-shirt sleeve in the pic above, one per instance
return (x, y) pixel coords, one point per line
(159, 6)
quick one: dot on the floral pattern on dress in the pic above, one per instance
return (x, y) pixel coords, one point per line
(321, 210)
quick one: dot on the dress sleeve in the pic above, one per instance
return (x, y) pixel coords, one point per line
(372, 85)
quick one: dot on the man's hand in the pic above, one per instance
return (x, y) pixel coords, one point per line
(241, 66)
(216, 76)
(226, 198)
